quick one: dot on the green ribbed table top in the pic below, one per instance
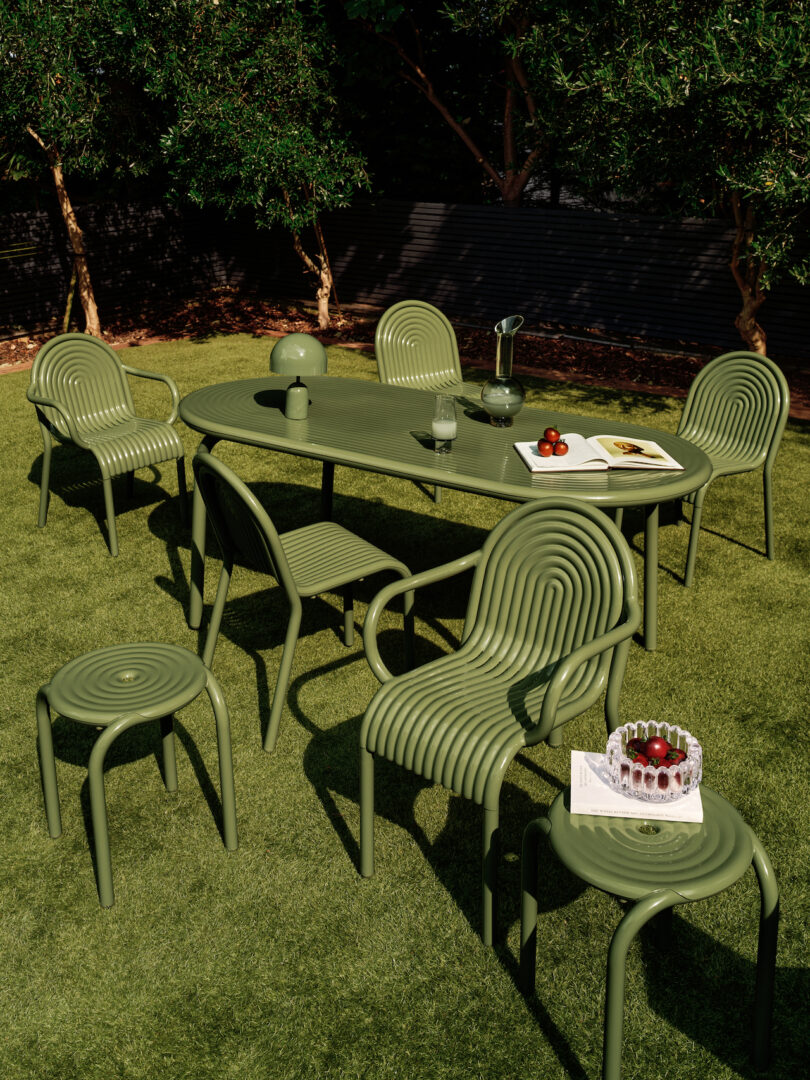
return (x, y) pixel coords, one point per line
(386, 429)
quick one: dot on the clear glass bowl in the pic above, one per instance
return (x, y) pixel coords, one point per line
(649, 782)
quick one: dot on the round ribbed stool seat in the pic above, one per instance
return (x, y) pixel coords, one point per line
(657, 864)
(632, 857)
(116, 688)
(150, 679)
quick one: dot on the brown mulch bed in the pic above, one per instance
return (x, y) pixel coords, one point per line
(576, 354)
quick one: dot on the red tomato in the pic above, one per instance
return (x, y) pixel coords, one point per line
(675, 757)
(637, 758)
(657, 747)
(545, 448)
(637, 745)
(560, 448)
(551, 434)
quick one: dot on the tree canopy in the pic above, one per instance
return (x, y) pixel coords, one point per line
(702, 107)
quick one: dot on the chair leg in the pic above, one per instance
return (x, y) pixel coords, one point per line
(618, 517)
(694, 532)
(627, 929)
(216, 614)
(767, 491)
(182, 490)
(528, 901)
(110, 512)
(407, 617)
(47, 765)
(283, 680)
(226, 785)
(169, 756)
(44, 482)
(348, 615)
(766, 956)
(366, 812)
(489, 874)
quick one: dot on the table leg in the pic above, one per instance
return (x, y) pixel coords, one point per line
(197, 572)
(327, 488)
(651, 577)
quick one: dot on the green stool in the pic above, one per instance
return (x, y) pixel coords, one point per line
(116, 688)
(658, 865)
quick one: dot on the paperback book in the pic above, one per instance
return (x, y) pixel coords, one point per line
(592, 793)
(598, 452)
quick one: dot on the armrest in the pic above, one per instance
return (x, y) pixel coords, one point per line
(172, 385)
(50, 403)
(571, 663)
(384, 596)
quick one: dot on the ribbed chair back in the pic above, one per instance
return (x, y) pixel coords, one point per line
(243, 528)
(736, 412)
(415, 346)
(85, 375)
(737, 408)
(549, 581)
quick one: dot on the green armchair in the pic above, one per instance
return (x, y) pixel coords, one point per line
(80, 390)
(552, 608)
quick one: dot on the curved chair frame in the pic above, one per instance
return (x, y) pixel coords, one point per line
(305, 562)
(552, 608)
(736, 412)
(80, 390)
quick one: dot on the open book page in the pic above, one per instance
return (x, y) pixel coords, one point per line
(582, 456)
(591, 793)
(598, 452)
(631, 453)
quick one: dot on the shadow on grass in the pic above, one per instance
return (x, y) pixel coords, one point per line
(76, 480)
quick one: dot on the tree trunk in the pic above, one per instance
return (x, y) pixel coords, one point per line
(747, 269)
(85, 285)
(320, 267)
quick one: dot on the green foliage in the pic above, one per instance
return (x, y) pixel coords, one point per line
(65, 74)
(694, 105)
(254, 119)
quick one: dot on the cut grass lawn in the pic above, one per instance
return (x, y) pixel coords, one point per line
(278, 960)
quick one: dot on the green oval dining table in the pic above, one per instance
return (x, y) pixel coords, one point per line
(386, 429)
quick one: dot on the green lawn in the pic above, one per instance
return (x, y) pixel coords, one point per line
(278, 960)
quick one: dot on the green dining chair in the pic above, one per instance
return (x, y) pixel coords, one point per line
(80, 390)
(735, 412)
(415, 346)
(308, 561)
(655, 865)
(551, 611)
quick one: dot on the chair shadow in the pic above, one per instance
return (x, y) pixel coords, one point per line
(76, 480)
(73, 743)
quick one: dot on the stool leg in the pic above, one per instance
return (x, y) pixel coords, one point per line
(766, 955)
(348, 615)
(47, 765)
(627, 929)
(98, 805)
(169, 756)
(226, 785)
(528, 901)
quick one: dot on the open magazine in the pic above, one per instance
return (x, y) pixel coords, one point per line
(599, 452)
